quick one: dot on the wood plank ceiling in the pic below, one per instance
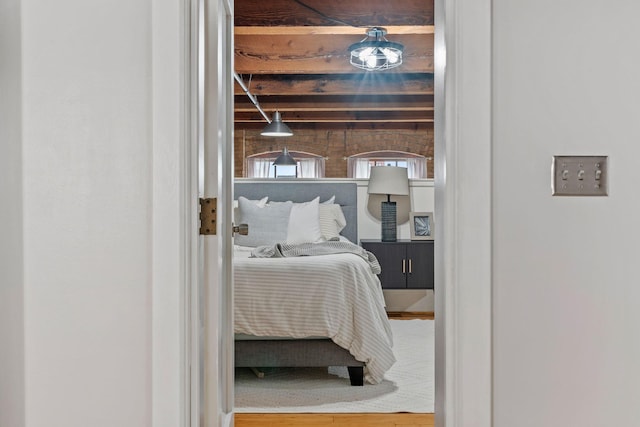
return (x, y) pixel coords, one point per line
(293, 56)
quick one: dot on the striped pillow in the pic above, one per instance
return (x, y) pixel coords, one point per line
(332, 220)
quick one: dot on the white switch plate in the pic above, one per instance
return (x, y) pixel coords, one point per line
(579, 176)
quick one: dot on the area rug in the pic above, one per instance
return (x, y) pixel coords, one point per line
(407, 387)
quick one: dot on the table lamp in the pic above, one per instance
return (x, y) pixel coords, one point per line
(389, 180)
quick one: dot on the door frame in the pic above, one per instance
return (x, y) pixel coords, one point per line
(215, 160)
(206, 333)
(463, 210)
(463, 181)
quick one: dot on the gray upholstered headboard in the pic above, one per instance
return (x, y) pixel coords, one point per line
(302, 191)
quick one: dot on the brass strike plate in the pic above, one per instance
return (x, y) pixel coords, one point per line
(208, 216)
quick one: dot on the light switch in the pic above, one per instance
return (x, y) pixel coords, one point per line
(579, 176)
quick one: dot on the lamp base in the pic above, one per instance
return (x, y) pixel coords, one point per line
(388, 218)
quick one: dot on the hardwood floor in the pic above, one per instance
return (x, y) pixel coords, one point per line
(343, 420)
(408, 315)
(334, 420)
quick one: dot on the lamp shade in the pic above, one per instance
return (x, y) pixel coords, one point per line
(276, 127)
(388, 180)
(285, 159)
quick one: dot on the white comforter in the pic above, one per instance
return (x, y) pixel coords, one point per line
(335, 296)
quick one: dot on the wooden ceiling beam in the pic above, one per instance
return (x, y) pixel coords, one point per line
(312, 54)
(255, 126)
(329, 30)
(341, 117)
(357, 13)
(296, 60)
(362, 83)
(337, 103)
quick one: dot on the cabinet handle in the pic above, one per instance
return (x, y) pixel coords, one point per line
(404, 270)
(410, 269)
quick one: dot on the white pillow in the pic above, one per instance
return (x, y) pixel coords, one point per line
(329, 201)
(304, 223)
(267, 225)
(332, 221)
(260, 203)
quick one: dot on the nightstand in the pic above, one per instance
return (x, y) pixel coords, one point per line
(406, 264)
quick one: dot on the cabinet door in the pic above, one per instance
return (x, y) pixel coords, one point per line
(420, 268)
(391, 257)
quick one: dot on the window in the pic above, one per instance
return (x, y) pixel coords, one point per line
(284, 171)
(308, 166)
(359, 165)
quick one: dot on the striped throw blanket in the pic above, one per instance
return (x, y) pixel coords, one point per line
(335, 296)
(284, 250)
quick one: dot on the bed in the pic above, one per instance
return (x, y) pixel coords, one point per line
(310, 311)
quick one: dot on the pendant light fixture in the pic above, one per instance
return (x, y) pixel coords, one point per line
(375, 52)
(284, 159)
(276, 127)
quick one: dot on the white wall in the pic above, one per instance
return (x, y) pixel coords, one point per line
(566, 341)
(12, 387)
(170, 217)
(93, 122)
(87, 152)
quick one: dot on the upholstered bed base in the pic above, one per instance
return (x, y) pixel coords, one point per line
(297, 353)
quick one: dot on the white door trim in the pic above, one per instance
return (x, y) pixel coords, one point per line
(218, 168)
(225, 206)
(463, 213)
(174, 214)
(194, 179)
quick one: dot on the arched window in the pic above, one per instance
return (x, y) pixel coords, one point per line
(308, 166)
(359, 165)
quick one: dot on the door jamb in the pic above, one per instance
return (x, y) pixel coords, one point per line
(463, 192)
(463, 259)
